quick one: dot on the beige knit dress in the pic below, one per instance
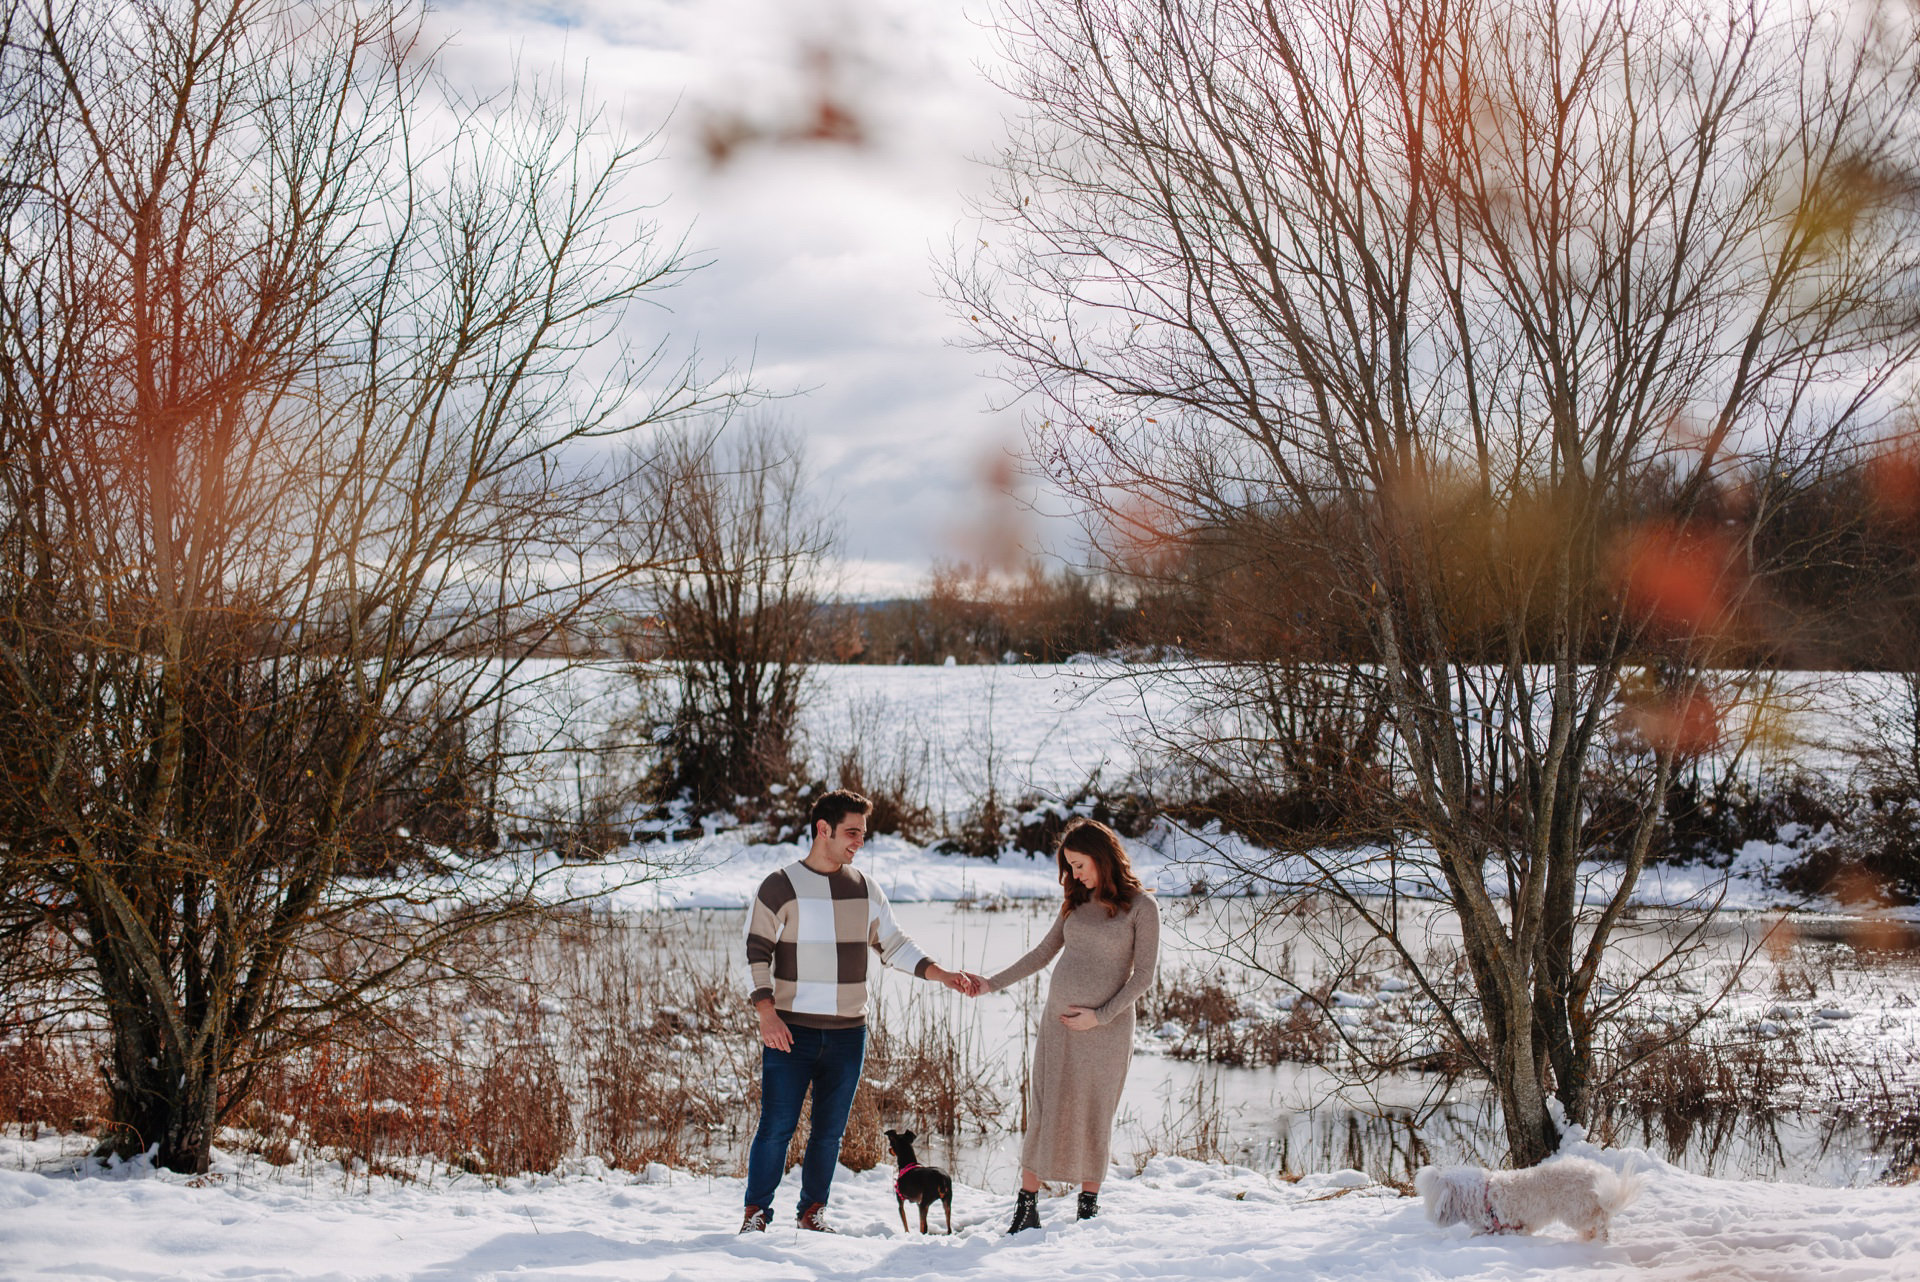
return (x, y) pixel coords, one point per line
(1105, 964)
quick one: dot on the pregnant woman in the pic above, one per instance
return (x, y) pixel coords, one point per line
(1107, 937)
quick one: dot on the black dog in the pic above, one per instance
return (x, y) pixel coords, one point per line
(916, 1183)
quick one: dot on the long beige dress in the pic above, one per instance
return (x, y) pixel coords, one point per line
(1105, 964)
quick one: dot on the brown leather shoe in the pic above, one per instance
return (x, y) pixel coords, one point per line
(754, 1221)
(813, 1218)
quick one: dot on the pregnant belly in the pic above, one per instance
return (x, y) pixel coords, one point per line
(1081, 990)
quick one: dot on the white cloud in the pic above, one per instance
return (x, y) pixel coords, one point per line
(821, 251)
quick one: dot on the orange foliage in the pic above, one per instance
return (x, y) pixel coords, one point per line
(827, 115)
(1684, 723)
(1676, 576)
(1144, 529)
(1893, 484)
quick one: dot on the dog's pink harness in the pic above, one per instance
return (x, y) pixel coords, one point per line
(897, 1194)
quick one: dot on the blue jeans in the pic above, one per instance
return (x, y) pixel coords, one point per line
(828, 1060)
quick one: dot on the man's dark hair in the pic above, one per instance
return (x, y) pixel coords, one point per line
(834, 807)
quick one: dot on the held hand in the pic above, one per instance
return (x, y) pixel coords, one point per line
(976, 984)
(958, 980)
(774, 1032)
(1079, 1019)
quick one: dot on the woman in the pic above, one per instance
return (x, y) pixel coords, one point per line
(1108, 937)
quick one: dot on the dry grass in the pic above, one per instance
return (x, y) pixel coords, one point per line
(1193, 1126)
(1882, 1099)
(1215, 1026)
(387, 1099)
(50, 1077)
(584, 1038)
(925, 1076)
(1699, 1091)
(591, 1037)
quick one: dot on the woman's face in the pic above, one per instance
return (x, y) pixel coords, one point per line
(1084, 869)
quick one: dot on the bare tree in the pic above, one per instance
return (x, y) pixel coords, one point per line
(1493, 315)
(745, 568)
(300, 461)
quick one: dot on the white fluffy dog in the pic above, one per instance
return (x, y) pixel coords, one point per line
(1573, 1190)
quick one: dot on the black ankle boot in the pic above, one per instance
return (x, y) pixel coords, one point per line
(1089, 1204)
(1026, 1212)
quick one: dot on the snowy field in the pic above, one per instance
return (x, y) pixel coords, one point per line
(1045, 730)
(1176, 1220)
(1020, 727)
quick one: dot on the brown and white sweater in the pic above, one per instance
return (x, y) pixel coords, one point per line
(809, 935)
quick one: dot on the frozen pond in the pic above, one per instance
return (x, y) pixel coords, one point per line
(1298, 1118)
(1816, 998)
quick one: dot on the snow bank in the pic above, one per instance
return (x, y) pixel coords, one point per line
(1046, 730)
(721, 871)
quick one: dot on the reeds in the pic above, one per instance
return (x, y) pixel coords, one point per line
(50, 1077)
(1216, 1026)
(627, 1040)
(622, 1040)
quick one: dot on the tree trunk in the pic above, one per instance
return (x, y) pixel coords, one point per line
(163, 1082)
(1532, 1135)
(1506, 999)
(159, 1104)
(1559, 1002)
(161, 1100)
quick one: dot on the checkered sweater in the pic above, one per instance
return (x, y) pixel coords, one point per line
(809, 936)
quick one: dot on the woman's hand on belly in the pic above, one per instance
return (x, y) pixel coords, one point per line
(1079, 1019)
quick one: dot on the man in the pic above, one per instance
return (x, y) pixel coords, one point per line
(810, 931)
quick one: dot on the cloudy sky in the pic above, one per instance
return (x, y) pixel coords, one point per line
(822, 253)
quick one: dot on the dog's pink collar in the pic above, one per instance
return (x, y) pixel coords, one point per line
(1495, 1223)
(898, 1195)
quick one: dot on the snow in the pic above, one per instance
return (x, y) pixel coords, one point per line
(1175, 1219)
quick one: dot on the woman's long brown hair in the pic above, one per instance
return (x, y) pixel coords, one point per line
(1101, 844)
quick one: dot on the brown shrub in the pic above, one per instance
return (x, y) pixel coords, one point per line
(863, 1146)
(523, 1115)
(52, 1078)
(1216, 1028)
(374, 1098)
(1303, 1035)
(1699, 1085)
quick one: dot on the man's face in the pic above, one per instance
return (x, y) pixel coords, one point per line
(842, 842)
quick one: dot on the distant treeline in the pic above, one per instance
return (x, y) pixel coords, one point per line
(1825, 570)
(971, 616)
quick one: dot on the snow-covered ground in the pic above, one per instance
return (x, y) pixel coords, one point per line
(1046, 728)
(1019, 728)
(1175, 1220)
